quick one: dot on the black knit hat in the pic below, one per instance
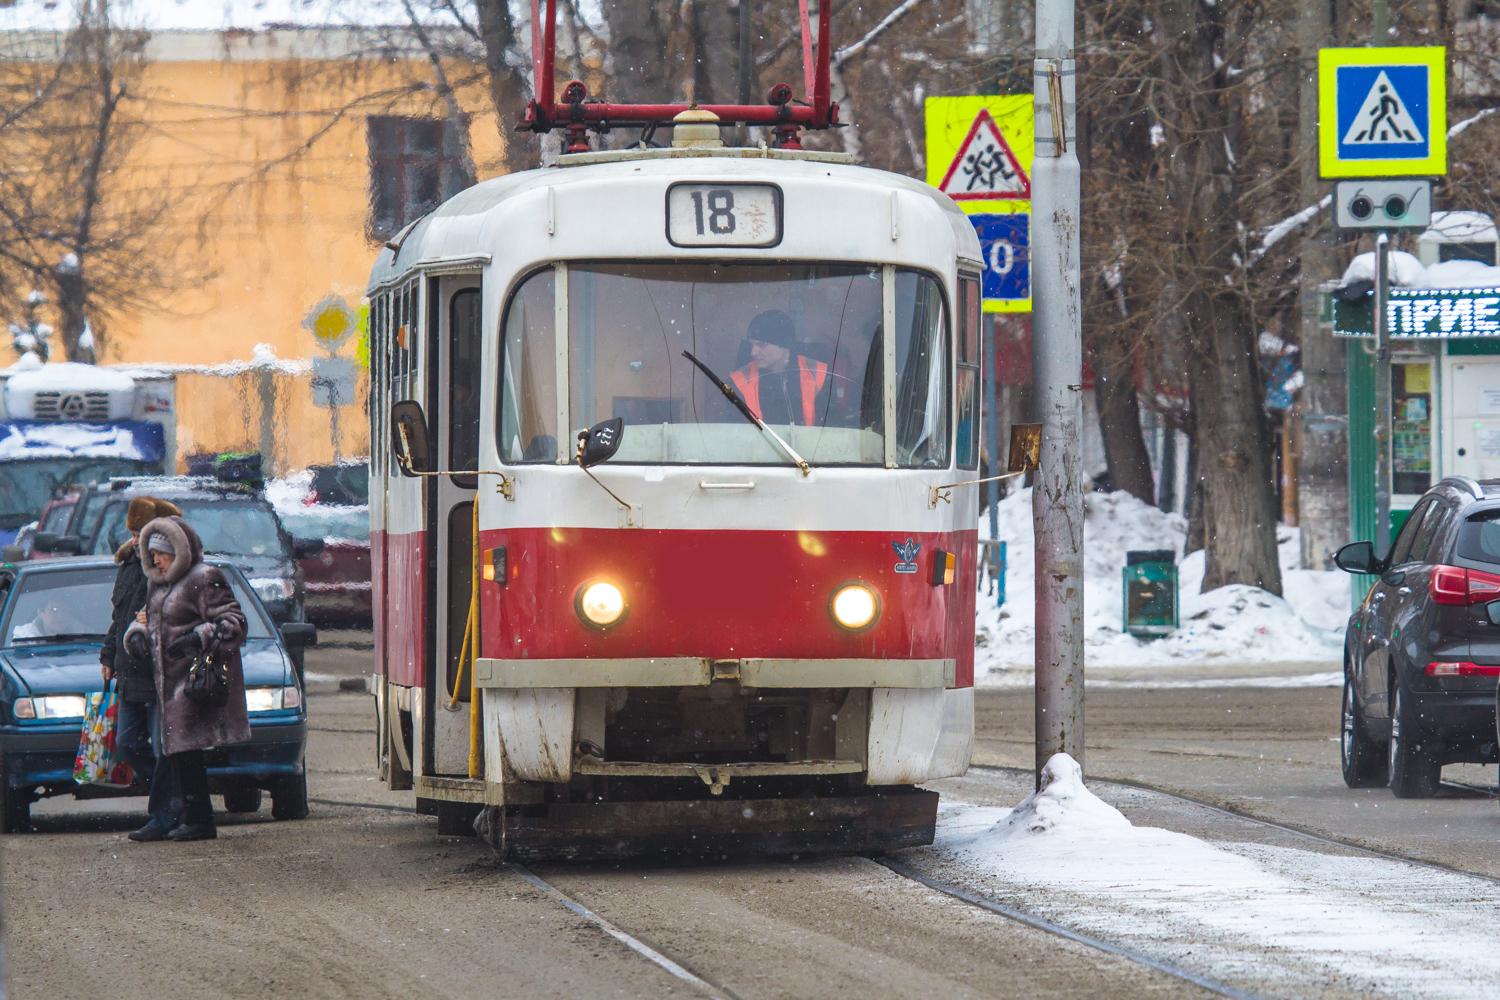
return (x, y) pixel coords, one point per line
(773, 327)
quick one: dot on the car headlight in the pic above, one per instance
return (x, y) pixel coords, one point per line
(600, 604)
(52, 706)
(273, 588)
(854, 607)
(272, 699)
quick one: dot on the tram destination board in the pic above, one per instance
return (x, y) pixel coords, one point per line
(723, 215)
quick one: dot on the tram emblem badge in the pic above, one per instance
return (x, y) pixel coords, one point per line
(907, 552)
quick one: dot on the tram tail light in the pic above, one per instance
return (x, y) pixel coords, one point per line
(600, 604)
(854, 607)
(944, 568)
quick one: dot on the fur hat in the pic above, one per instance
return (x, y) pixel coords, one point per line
(141, 512)
(166, 508)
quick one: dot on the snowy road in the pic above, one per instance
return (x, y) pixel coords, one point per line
(364, 899)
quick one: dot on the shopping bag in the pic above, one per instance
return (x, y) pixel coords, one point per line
(96, 763)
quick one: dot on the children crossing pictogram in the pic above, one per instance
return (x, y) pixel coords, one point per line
(985, 168)
(1382, 117)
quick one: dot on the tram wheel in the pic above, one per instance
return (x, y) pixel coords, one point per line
(456, 819)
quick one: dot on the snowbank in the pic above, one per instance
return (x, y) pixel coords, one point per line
(1280, 917)
(1232, 626)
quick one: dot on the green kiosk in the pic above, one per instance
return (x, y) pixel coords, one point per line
(1445, 378)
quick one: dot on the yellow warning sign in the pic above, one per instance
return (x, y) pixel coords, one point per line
(331, 322)
(979, 151)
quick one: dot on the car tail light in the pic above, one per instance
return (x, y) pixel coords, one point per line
(1461, 668)
(1456, 585)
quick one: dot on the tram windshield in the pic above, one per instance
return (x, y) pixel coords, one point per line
(801, 343)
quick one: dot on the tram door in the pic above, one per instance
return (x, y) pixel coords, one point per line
(457, 319)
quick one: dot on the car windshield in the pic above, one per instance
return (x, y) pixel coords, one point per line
(800, 343)
(29, 483)
(329, 523)
(56, 605)
(227, 527)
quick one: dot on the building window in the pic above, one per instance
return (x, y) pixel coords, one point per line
(416, 164)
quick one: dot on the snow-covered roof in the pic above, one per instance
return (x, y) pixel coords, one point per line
(1462, 227)
(66, 375)
(1408, 272)
(223, 15)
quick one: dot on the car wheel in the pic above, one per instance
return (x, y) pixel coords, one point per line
(1364, 761)
(289, 797)
(1414, 769)
(242, 799)
(15, 804)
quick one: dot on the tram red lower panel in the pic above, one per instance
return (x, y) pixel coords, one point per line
(728, 594)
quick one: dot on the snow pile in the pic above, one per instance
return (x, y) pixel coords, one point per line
(23, 441)
(1234, 625)
(289, 494)
(1405, 269)
(1061, 801)
(1294, 922)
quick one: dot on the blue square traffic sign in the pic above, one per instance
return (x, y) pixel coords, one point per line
(1382, 112)
(1005, 240)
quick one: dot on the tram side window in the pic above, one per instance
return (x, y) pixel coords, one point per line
(922, 421)
(969, 353)
(528, 373)
(463, 386)
(379, 397)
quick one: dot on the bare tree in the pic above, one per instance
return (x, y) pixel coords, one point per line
(70, 224)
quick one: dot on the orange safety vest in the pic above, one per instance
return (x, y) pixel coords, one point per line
(812, 374)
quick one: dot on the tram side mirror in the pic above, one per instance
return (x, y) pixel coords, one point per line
(409, 437)
(1358, 557)
(1025, 448)
(599, 443)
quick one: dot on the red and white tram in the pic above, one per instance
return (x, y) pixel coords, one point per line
(711, 623)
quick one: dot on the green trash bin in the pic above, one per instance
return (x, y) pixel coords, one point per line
(1150, 582)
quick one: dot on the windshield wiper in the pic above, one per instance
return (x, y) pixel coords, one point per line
(749, 414)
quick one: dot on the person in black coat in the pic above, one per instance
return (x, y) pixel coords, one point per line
(137, 737)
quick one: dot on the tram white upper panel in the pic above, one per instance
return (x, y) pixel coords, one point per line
(609, 208)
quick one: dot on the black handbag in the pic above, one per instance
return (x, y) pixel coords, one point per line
(207, 682)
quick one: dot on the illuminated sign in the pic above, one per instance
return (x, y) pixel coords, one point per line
(1426, 314)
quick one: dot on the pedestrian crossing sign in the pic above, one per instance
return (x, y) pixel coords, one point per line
(1382, 112)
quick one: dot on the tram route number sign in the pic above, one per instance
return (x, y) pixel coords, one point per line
(723, 215)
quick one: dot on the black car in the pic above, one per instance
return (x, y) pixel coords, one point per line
(49, 666)
(1422, 652)
(236, 523)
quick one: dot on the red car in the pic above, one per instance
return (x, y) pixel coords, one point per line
(336, 581)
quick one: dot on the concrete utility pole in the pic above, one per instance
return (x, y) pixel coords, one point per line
(1057, 346)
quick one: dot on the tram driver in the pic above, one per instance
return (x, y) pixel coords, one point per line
(780, 384)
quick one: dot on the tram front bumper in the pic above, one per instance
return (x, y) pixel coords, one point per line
(918, 726)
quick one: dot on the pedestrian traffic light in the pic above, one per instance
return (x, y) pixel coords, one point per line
(1383, 204)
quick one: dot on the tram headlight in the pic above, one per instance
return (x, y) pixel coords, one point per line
(855, 607)
(600, 604)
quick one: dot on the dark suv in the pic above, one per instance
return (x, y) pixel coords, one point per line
(1422, 652)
